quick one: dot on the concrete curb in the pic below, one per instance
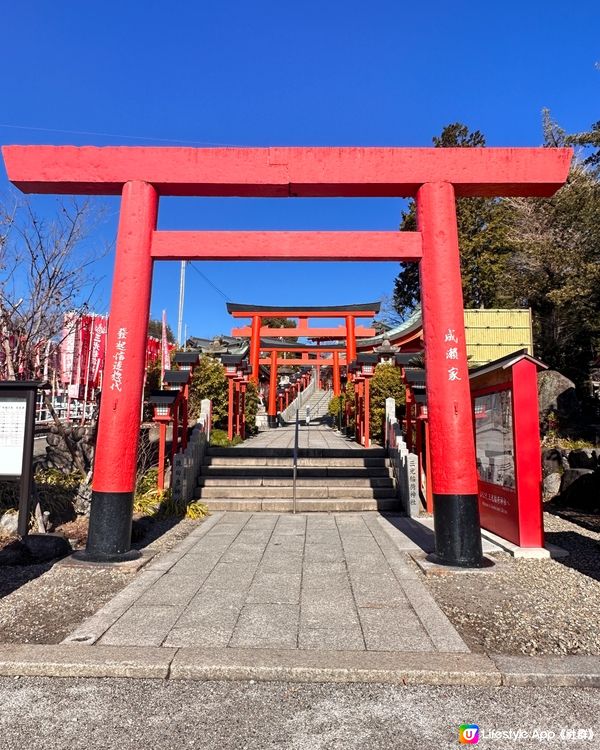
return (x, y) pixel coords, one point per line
(294, 665)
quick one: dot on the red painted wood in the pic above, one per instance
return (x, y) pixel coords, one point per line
(428, 483)
(350, 338)
(272, 408)
(333, 334)
(255, 348)
(283, 172)
(337, 387)
(367, 415)
(230, 408)
(162, 445)
(119, 419)
(447, 378)
(499, 510)
(528, 460)
(293, 313)
(287, 246)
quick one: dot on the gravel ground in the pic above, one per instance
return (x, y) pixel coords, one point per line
(529, 606)
(43, 604)
(54, 714)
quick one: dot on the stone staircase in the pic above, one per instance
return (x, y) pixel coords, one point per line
(318, 404)
(255, 479)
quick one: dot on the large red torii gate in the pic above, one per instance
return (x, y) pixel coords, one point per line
(434, 177)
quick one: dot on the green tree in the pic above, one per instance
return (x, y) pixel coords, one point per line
(279, 323)
(385, 383)
(209, 381)
(555, 270)
(483, 240)
(155, 329)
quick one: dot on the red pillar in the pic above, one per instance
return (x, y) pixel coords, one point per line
(243, 410)
(454, 476)
(230, 406)
(429, 498)
(236, 406)
(409, 420)
(162, 443)
(272, 409)
(115, 463)
(255, 348)
(350, 339)
(337, 389)
(528, 461)
(367, 407)
(175, 435)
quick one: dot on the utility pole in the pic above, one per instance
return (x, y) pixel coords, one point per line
(181, 300)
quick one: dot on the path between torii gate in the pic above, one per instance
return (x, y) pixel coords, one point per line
(326, 586)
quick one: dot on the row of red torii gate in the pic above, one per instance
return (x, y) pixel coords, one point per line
(433, 177)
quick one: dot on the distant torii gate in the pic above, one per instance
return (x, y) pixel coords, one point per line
(433, 176)
(274, 349)
(350, 331)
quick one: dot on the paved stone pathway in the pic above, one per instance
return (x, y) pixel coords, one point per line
(317, 581)
(309, 436)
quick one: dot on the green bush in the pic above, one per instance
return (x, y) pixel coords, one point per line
(209, 381)
(219, 439)
(251, 408)
(385, 383)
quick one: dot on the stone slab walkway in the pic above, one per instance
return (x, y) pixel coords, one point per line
(315, 582)
(311, 436)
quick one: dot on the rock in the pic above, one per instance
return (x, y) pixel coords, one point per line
(552, 461)
(83, 499)
(570, 476)
(9, 522)
(43, 547)
(552, 485)
(583, 459)
(54, 440)
(581, 490)
(15, 553)
(556, 393)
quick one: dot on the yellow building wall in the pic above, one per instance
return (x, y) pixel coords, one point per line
(493, 333)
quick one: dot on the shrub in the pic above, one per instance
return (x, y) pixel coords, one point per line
(196, 510)
(219, 439)
(251, 409)
(209, 381)
(385, 383)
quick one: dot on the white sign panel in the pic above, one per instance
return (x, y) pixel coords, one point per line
(12, 435)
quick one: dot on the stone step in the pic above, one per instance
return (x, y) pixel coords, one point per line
(314, 492)
(243, 452)
(287, 481)
(340, 505)
(241, 461)
(340, 472)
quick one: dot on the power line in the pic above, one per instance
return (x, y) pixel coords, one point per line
(208, 281)
(116, 135)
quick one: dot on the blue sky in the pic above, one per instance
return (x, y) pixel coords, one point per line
(261, 73)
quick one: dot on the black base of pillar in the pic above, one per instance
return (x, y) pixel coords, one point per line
(109, 533)
(272, 421)
(457, 531)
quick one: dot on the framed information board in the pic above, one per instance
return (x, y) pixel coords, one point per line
(13, 413)
(17, 425)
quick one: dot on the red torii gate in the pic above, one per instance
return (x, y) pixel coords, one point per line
(434, 177)
(274, 349)
(350, 313)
